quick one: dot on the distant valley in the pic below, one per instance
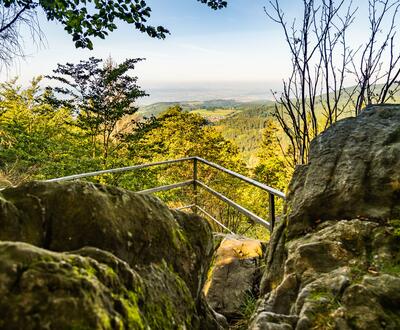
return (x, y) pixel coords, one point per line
(239, 122)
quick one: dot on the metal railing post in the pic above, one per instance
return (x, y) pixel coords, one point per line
(271, 211)
(195, 201)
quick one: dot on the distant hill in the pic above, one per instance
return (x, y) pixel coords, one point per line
(245, 128)
(157, 108)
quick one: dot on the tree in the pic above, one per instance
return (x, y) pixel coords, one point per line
(377, 71)
(99, 97)
(272, 168)
(37, 140)
(176, 133)
(318, 71)
(314, 96)
(12, 21)
(82, 19)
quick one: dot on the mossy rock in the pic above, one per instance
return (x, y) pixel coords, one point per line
(139, 229)
(85, 256)
(48, 290)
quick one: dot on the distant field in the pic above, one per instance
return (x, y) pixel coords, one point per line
(157, 108)
(215, 115)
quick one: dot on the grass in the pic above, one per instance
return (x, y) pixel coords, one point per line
(247, 309)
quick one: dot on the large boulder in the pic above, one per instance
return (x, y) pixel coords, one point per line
(168, 253)
(353, 172)
(48, 290)
(334, 260)
(234, 275)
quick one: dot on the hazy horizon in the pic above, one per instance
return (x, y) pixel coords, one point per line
(206, 91)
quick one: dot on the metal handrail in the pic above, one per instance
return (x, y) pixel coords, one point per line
(117, 170)
(236, 206)
(243, 178)
(196, 183)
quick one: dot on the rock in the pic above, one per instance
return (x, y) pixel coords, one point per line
(266, 320)
(168, 253)
(139, 229)
(352, 172)
(234, 275)
(334, 260)
(48, 290)
(334, 277)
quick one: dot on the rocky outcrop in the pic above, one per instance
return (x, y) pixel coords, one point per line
(235, 273)
(98, 257)
(352, 172)
(334, 260)
(333, 278)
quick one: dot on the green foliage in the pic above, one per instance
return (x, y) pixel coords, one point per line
(99, 97)
(45, 136)
(176, 134)
(272, 169)
(247, 309)
(85, 19)
(248, 306)
(245, 128)
(36, 139)
(396, 227)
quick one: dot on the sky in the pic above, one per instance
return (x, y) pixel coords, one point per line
(235, 52)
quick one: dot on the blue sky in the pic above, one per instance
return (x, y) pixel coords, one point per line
(237, 49)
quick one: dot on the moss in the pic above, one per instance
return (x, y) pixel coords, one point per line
(356, 274)
(395, 224)
(77, 326)
(324, 304)
(110, 272)
(326, 297)
(104, 318)
(180, 237)
(132, 312)
(209, 276)
(391, 269)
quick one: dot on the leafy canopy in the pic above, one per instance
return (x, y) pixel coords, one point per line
(98, 96)
(84, 19)
(36, 139)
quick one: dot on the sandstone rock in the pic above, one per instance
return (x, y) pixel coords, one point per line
(234, 275)
(130, 259)
(334, 261)
(333, 277)
(352, 172)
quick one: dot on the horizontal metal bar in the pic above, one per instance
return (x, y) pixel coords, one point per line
(236, 206)
(212, 218)
(243, 178)
(117, 170)
(185, 207)
(167, 187)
